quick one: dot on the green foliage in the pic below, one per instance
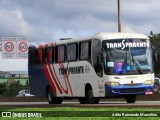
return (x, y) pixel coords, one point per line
(3, 88)
(155, 41)
(11, 88)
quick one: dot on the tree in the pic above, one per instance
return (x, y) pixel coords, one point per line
(155, 42)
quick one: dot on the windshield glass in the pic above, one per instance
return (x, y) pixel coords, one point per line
(127, 56)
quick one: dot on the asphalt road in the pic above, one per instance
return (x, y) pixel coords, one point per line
(152, 104)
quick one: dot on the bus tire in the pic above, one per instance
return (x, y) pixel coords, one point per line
(131, 98)
(82, 100)
(89, 98)
(51, 99)
(156, 88)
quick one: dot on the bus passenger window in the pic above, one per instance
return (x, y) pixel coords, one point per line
(45, 55)
(72, 52)
(60, 53)
(48, 55)
(85, 50)
(53, 55)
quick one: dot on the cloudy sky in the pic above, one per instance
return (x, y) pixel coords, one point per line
(49, 20)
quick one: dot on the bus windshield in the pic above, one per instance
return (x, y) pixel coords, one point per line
(127, 56)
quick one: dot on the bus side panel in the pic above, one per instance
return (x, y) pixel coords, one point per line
(79, 74)
(37, 80)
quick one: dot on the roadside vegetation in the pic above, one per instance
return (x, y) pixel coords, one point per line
(11, 87)
(155, 38)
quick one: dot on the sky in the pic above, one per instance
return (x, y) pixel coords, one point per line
(50, 20)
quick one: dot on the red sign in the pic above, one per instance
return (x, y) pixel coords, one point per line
(9, 46)
(23, 47)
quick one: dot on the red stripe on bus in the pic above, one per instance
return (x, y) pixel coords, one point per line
(66, 77)
(46, 70)
(55, 80)
(49, 79)
(66, 91)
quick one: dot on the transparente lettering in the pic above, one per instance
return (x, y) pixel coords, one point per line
(125, 44)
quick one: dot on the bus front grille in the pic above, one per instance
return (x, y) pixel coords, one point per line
(132, 90)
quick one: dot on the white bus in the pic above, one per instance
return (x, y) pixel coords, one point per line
(105, 65)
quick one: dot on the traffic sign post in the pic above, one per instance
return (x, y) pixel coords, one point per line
(15, 47)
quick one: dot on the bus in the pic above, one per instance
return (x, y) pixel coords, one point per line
(105, 65)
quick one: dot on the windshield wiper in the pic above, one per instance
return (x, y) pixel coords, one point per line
(137, 65)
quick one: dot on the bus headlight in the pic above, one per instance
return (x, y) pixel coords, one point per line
(112, 83)
(148, 82)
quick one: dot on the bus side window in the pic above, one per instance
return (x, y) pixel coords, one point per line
(45, 55)
(72, 52)
(60, 53)
(85, 50)
(53, 52)
(41, 55)
(48, 55)
(97, 56)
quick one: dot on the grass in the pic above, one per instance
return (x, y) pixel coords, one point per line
(71, 113)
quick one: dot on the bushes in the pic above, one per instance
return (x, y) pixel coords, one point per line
(11, 88)
(155, 38)
(3, 88)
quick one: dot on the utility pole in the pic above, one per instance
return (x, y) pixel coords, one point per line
(119, 16)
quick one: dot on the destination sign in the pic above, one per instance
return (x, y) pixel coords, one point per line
(124, 43)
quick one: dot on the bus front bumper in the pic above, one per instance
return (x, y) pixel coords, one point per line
(128, 90)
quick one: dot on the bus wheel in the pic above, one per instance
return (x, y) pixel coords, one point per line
(82, 100)
(51, 98)
(131, 98)
(156, 88)
(89, 98)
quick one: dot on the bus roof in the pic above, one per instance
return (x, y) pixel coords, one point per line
(101, 36)
(105, 36)
(120, 35)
